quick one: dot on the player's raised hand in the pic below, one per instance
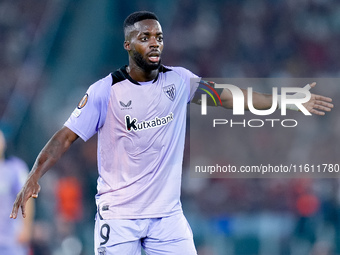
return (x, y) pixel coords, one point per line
(318, 104)
(30, 189)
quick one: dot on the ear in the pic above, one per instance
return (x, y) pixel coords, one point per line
(127, 45)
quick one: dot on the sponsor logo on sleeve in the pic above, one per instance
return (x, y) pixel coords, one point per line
(102, 250)
(76, 113)
(83, 101)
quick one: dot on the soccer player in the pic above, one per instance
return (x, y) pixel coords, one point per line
(139, 113)
(15, 236)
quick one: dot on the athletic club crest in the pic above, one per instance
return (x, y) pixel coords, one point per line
(102, 250)
(170, 91)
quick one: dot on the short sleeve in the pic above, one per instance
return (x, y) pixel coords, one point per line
(89, 116)
(190, 79)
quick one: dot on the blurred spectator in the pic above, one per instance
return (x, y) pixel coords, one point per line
(15, 236)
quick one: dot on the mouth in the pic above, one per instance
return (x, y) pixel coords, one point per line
(154, 56)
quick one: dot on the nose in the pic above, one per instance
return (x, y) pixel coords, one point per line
(154, 43)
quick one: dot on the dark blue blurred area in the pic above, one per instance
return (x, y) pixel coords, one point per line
(52, 50)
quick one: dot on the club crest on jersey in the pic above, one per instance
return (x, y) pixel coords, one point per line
(102, 250)
(125, 106)
(170, 91)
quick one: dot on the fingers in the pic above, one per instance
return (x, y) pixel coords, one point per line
(324, 105)
(322, 108)
(320, 105)
(21, 200)
(316, 112)
(14, 213)
(36, 191)
(323, 98)
(15, 209)
(19, 203)
(23, 210)
(309, 86)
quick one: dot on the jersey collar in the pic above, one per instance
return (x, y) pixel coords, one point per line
(124, 73)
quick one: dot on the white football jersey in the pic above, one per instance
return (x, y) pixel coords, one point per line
(141, 133)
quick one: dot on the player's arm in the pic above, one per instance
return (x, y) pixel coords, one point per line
(49, 155)
(261, 101)
(316, 105)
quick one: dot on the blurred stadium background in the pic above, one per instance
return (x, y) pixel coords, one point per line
(52, 50)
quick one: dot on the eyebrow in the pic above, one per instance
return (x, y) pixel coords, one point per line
(148, 33)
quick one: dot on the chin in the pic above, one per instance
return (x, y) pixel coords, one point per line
(151, 67)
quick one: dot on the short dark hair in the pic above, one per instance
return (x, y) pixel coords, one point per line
(138, 16)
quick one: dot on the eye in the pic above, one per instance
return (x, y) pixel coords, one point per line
(144, 39)
(160, 38)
